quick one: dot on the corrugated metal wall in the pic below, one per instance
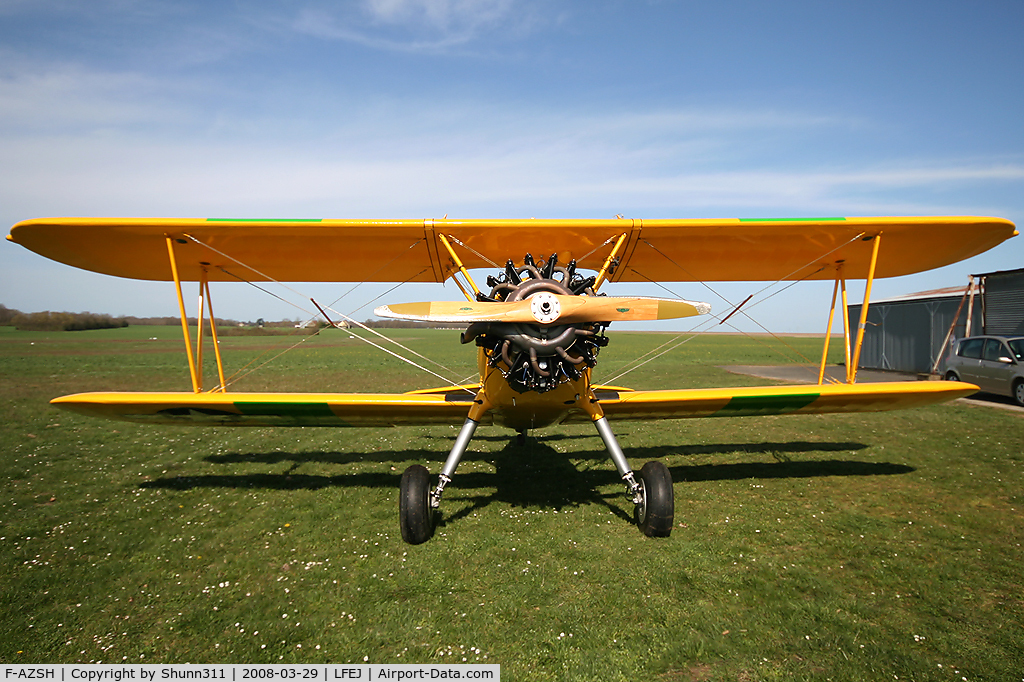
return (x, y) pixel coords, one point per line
(907, 335)
(1004, 303)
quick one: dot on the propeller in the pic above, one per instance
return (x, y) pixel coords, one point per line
(548, 308)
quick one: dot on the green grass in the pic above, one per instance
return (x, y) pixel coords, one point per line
(844, 547)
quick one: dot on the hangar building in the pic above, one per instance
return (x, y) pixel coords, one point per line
(908, 333)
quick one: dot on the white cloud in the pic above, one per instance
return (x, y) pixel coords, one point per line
(522, 171)
(68, 97)
(443, 15)
(416, 25)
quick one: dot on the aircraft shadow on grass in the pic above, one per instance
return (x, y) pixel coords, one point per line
(537, 475)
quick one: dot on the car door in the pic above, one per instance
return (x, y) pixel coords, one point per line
(996, 367)
(968, 359)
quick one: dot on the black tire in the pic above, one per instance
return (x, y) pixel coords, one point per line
(1018, 392)
(655, 515)
(951, 376)
(415, 515)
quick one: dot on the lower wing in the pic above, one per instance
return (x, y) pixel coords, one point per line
(774, 400)
(450, 405)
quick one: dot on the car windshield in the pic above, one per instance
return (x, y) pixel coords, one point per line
(1017, 347)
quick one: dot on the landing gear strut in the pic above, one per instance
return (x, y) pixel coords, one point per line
(653, 500)
(417, 504)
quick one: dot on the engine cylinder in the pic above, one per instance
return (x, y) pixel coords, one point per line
(538, 357)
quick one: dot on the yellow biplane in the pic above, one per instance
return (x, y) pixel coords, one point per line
(538, 327)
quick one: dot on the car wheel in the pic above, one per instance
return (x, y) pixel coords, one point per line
(1018, 392)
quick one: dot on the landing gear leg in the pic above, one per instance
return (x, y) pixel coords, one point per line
(654, 503)
(417, 504)
(454, 457)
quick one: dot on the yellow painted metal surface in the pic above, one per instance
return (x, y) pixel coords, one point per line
(509, 409)
(274, 409)
(409, 250)
(523, 411)
(777, 400)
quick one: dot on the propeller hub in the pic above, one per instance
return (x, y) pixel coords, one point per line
(545, 307)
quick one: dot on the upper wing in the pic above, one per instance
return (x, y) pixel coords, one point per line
(410, 250)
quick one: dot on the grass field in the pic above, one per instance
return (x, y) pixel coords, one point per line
(843, 547)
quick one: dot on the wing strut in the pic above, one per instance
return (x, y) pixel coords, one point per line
(461, 268)
(195, 359)
(205, 287)
(852, 368)
(831, 317)
(846, 326)
(610, 262)
(196, 385)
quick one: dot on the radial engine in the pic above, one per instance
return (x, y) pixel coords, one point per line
(538, 357)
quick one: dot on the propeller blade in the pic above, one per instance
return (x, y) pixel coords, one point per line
(454, 311)
(633, 309)
(547, 308)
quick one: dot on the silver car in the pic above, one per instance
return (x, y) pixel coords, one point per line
(994, 363)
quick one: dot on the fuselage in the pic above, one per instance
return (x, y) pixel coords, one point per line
(530, 409)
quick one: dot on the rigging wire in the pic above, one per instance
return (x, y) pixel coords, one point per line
(735, 309)
(381, 268)
(242, 372)
(389, 352)
(239, 374)
(474, 251)
(636, 364)
(266, 291)
(797, 355)
(763, 289)
(588, 254)
(373, 331)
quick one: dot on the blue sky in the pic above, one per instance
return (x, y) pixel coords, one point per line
(504, 108)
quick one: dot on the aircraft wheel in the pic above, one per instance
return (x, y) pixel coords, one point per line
(414, 512)
(951, 376)
(654, 515)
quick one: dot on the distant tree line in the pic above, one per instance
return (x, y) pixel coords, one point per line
(48, 321)
(410, 324)
(173, 321)
(64, 321)
(7, 316)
